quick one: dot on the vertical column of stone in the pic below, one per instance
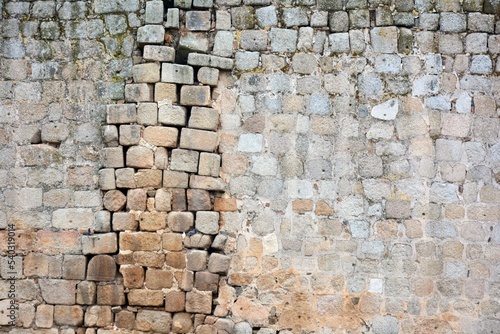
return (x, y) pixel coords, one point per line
(61, 63)
(161, 177)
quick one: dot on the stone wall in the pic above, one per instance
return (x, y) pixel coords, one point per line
(295, 166)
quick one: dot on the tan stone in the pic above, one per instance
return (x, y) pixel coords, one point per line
(148, 72)
(413, 229)
(206, 329)
(196, 260)
(453, 211)
(130, 134)
(199, 140)
(139, 92)
(58, 242)
(153, 221)
(36, 264)
(172, 241)
(198, 240)
(86, 293)
(484, 106)
(142, 297)
(74, 267)
(103, 243)
(123, 221)
(136, 199)
(198, 200)
(204, 118)
(218, 263)
(386, 230)
(121, 113)
(148, 178)
(175, 301)
(137, 241)
(453, 250)
(154, 321)
(195, 96)
(302, 205)
(113, 157)
(99, 316)
(161, 158)
(133, 276)
(484, 213)
(225, 204)
(248, 310)
(235, 164)
(182, 323)
(205, 281)
(149, 259)
(68, 315)
(178, 199)
(323, 209)
(161, 136)
(166, 92)
(397, 209)
(489, 194)
(44, 316)
(58, 291)
(125, 319)
(185, 279)
(199, 302)
(370, 303)
(110, 295)
(176, 260)
(101, 268)
(125, 178)
(158, 279)
(180, 221)
(139, 157)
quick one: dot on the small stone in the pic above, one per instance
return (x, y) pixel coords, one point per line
(159, 53)
(150, 34)
(387, 110)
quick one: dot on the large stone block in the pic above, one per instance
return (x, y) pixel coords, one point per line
(139, 92)
(105, 243)
(175, 301)
(139, 157)
(148, 72)
(196, 96)
(57, 291)
(101, 268)
(159, 279)
(166, 92)
(180, 74)
(384, 39)
(142, 297)
(172, 115)
(110, 295)
(159, 53)
(148, 178)
(161, 136)
(180, 221)
(138, 241)
(204, 118)
(68, 315)
(151, 34)
(184, 160)
(199, 302)
(198, 200)
(154, 321)
(198, 140)
(133, 276)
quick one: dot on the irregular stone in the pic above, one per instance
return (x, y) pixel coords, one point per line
(387, 110)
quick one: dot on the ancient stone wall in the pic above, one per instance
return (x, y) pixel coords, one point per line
(231, 166)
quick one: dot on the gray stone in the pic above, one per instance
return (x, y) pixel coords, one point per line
(387, 110)
(452, 22)
(154, 12)
(448, 150)
(385, 325)
(115, 6)
(370, 85)
(173, 73)
(476, 43)
(443, 193)
(330, 5)
(481, 64)
(250, 142)
(243, 17)
(339, 42)
(319, 19)
(172, 20)
(151, 34)
(429, 21)
(267, 16)
(304, 63)
(386, 63)
(242, 328)
(296, 16)
(481, 22)
(222, 20)
(305, 41)
(223, 44)
(427, 84)
(384, 39)
(359, 18)
(198, 20)
(253, 40)
(247, 60)
(440, 229)
(193, 42)
(116, 24)
(359, 229)
(319, 104)
(283, 40)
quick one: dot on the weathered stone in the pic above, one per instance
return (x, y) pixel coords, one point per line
(68, 315)
(142, 297)
(199, 302)
(156, 321)
(146, 241)
(196, 96)
(198, 200)
(101, 268)
(175, 301)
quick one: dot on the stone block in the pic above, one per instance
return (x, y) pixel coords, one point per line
(123, 221)
(74, 267)
(283, 40)
(148, 72)
(140, 92)
(166, 92)
(304, 63)
(481, 64)
(101, 268)
(130, 135)
(142, 297)
(58, 242)
(139, 157)
(114, 200)
(159, 279)
(148, 178)
(173, 73)
(161, 136)
(397, 209)
(176, 260)
(198, 200)
(205, 281)
(196, 96)
(223, 44)
(172, 179)
(178, 199)
(113, 157)
(184, 160)
(159, 53)
(58, 291)
(180, 221)
(196, 260)
(198, 20)
(125, 178)
(384, 39)
(206, 183)
(137, 241)
(72, 218)
(121, 113)
(152, 221)
(44, 316)
(295, 16)
(172, 241)
(330, 5)
(110, 135)
(68, 315)
(150, 34)
(41, 265)
(450, 43)
(218, 263)
(247, 60)
(148, 259)
(208, 76)
(147, 113)
(207, 222)
(209, 164)
(175, 301)
(107, 179)
(253, 40)
(198, 240)
(266, 16)
(198, 139)
(172, 115)
(100, 316)
(133, 276)
(154, 12)
(110, 295)
(199, 302)
(125, 319)
(452, 22)
(225, 204)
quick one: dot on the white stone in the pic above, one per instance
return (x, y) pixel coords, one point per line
(250, 142)
(270, 244)
(386, 111)
(463, 103)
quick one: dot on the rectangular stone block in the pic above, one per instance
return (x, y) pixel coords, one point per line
(178, 199)
(205, 281)
(207, 183)
(110, 295)
(148, 72)
(113, 157)
(209, 164)
(68, 315)
(103, 243)
(149, 259)
(166, 92)
(130, 134)
(196, 96)
(172, 179)
(58, 291)
(125, 178)
(154, 321)
(175, 301)
(174, 73)
(161, 136)
(180, 221)
(41, 265)
(133, 276)
(199, 59)
(176, 260)
(142, 297)
(121, 113)
(159, 53)
(208, 76)
(65, 242)
(107, 179)
(198, 140)
(172, 115)
(161, 158)
(184, 160)
(138, 241)
(225, 204)
(154, 12)
(140, 92)
(152, 221)
(73, 218)
(139, 157)
(159, 279)
(172, 241)
(74, 267)
(198, 200)
(204, 118)
(207, 222)
(199, 302)
(151, 34)
(44, 316)
(148, 178)
(198, 20)
(163, 200)
(123, 221)
(147, 113)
